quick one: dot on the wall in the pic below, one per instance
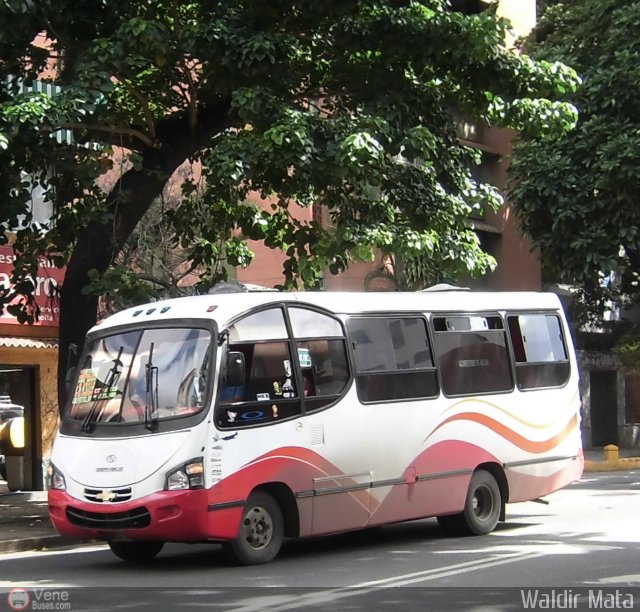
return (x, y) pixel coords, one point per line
(41, 358)
(589, 361)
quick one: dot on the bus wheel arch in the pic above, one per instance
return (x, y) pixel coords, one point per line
(287, 502)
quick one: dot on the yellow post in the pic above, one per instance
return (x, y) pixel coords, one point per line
(611, 453)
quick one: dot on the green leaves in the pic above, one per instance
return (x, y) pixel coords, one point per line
(345, 106)
(360, 149)
(576, 192)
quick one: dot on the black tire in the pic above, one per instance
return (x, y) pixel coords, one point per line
(482, 508)
(136, 552)
(261, 531)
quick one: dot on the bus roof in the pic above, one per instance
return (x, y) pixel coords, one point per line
(223, 307)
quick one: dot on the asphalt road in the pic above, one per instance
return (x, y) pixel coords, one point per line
(579, 550)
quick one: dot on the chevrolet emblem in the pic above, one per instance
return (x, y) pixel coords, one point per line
(106, 496)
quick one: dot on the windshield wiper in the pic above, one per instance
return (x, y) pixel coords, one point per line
(112, 379)
(200, 381)
(151, 399)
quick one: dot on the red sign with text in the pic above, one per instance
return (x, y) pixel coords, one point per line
(48, 279)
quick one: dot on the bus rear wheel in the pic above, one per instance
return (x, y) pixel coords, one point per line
(261, 531)
(482, 508)
(136, 552)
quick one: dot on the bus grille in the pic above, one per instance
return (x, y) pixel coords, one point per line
(110, 495)
(132, 519)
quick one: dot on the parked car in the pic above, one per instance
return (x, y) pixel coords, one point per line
(8, 410)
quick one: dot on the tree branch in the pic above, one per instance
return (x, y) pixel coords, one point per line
(137, 94)
(156, 281)
(145, 139)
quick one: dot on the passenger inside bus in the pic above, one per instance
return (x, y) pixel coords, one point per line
(309, 388)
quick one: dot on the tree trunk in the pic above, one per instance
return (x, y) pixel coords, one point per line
(95, 250)
(128, 201)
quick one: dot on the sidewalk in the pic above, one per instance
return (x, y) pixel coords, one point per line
(25, 525)
(599, 460)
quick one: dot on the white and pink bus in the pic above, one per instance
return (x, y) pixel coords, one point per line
(248, 418)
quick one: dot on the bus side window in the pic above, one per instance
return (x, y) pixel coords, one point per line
(268, 393)
(324, 368)
(321, 356)
(472, 355)
(284, 375)
(392, 358)
(539, 350)
(271, 376)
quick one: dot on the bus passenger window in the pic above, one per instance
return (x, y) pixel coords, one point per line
(472, 355)
(392, 358)
(284, 375)
(269, 392)
(324, 369)
(321, 356)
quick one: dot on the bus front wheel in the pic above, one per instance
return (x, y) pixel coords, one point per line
(261, 531)
(482, 508)
(136, 551)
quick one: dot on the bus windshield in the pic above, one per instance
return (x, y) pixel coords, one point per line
(142, 376)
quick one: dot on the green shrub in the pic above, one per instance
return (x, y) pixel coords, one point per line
(628, 347)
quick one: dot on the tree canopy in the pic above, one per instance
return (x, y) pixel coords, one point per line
(577, 193)
(343, 103)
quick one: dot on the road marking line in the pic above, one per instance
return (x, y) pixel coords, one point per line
(329, 596)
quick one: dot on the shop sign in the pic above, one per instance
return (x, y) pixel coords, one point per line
(48, 279)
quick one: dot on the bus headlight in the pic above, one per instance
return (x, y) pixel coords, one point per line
(55, 479)
(187, 476)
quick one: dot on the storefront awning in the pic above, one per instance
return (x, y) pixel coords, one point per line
(35, 343)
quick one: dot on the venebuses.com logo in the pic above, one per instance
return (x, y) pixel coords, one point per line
(38, 599)
(18, 599)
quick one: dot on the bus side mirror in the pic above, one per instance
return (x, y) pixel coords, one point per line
(68, 379)
(72, 363)
(235, 370)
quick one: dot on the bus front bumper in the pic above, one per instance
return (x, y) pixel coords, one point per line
(169, 516)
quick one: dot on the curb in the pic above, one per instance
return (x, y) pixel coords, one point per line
(615, 465)
(38, 543)
(29, 496)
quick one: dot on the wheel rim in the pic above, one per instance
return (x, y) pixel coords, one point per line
(258, 528)
(483, 503)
